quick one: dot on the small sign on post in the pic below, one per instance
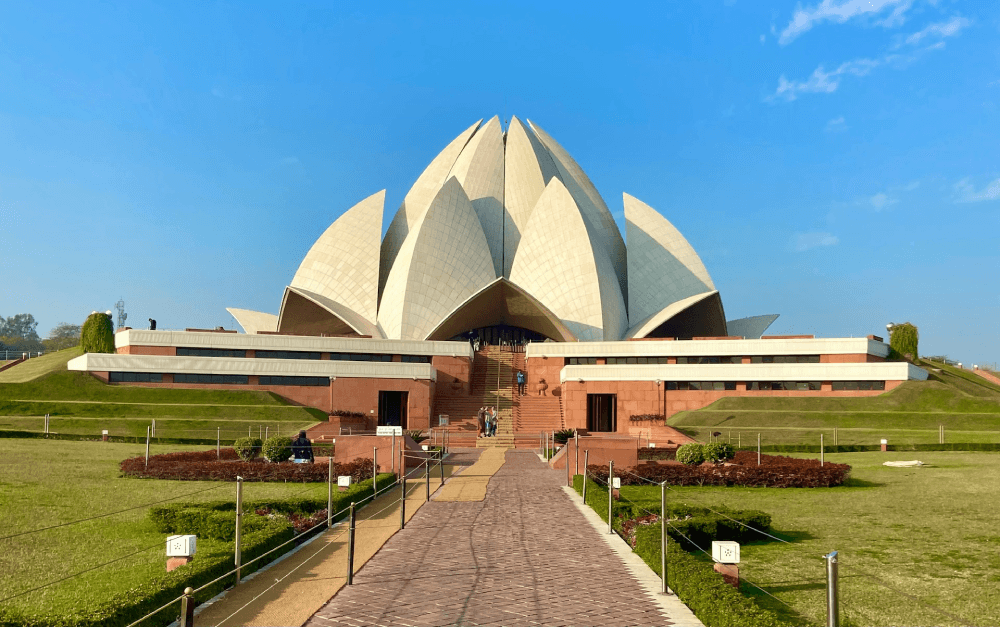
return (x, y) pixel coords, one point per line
(726, 555)
(180, 551)
(344, 482)
(104, 435)
(388, 430)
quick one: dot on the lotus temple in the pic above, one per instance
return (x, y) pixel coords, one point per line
(502, 257)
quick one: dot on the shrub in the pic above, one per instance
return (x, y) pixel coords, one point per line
(98, 334)
(277, 448)
(203, 466)
(718, 452)
(903, 340)
(247, 448)
(691, 454)
(417, 435)
(563, 435)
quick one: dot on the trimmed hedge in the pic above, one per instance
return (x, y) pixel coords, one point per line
(277, 448)
(774, 472)
(146, 596)
(691, 454)
(204, 466)
(718, 452)
(248, 448)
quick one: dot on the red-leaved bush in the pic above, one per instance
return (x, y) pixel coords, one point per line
(775, 471)
(205, 466)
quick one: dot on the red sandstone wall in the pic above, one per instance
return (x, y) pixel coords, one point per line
(362, 395)
(548, 368)
(602, 448)
(453, 375)
(852, 358)
(147, 350)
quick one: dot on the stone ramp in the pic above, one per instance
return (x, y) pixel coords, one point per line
(525, 555)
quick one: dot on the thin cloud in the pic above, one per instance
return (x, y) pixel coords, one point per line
(807, 241)
(821, 81)
(966, 191)
(939, 30)
(840, 11)
(882, 200)
(836, 125)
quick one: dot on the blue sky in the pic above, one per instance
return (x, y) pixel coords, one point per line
(837, 162)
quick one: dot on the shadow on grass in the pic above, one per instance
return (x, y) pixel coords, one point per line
(784, 612)
(853, 482)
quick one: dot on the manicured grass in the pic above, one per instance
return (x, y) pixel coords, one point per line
(927, 532)
(909, 414)
(38, 366)
(166, 427)
(43, 483)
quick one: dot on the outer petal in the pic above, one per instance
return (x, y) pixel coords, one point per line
(750, 328)
(342, 265)
(604, 228)
(479, 169)
(558, 264)
(443, 262)
(416, 202)
(254, 321)
(700, 315)
(528, 168)
(662, 266)
(308, 313)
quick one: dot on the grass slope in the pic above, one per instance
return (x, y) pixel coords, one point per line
(941, 552)
(911, 413)
(43, 483)
(39, 366)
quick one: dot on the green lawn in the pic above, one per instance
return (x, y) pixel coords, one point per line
(166, 427)
(929, 532)
(38, 366)
(43, 483)
(910, 414)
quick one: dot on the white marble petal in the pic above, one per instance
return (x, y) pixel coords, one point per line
(254, 322)
(417, 200)
(443, 262)
(342, 265)
(603, 226)
(348, 320)
(528, 168)
(479, 169)
(651, 322)
(558, 264)
(662, 266)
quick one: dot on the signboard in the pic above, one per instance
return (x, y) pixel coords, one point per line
(616, 483)
(181, 546)
(725, 552)
(344, 481)
(388, 430)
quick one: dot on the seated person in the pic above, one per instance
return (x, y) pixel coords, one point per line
(302, 450)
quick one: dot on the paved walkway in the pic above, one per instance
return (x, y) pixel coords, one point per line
(525, 555)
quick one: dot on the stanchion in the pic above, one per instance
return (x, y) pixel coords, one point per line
(822, 450)
(611, 496)
(350, 550)
(329, 493)
(569, 476)
(187, 608)
(218, 442)
(374, 471)
(758, 449)
(239, 529)
(392, 454)
(663, 537)
(586, 458)
(441, 465)
(267, 432)
(832, 609)
(402, 500)
(147, 445)
(576, 452)
(427, 477)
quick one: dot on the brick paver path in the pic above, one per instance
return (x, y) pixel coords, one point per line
(523, 556)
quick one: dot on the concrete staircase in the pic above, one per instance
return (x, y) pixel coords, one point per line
(499, 392)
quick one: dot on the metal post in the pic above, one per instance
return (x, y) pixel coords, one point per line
(836, 444)
(586, 458)
(392, 455)
(569, 478)
(663, 537)
(267, 433)
(154, 427)
(329, 492)
(239, 524)
(441, 465)
(576, 445)
(218, 442)
(758, 449)
(402, 500)
(822, 449)
(46, 423)
(350, 550)
(187, 608)
(832, 609)
(611, 500)
(147, 445)
(739, 439)
(374, 471)
(259, 431)
(427, 476)
(249, 433)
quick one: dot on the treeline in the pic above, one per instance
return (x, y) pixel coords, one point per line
(20, 333)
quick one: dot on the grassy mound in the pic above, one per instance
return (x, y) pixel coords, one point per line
(39, 366)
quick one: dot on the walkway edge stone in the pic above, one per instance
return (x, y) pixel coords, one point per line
(670, 606)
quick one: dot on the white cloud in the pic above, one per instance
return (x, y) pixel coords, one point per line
(882, 200)
(940, 29)
(966, 191)
(836, 125)
(821, 81)
(840, 11)
(805, 241)
(763, 38)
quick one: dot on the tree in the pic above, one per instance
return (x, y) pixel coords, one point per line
(97, 335)
(21, 326)
(64, 335)
(903, 339)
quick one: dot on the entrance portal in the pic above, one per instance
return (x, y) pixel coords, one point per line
(392, 408)
(602, 412)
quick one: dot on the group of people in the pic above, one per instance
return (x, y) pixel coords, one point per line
(487, 420)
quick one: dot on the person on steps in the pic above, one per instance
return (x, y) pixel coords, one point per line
(302, 449)
(521, 380)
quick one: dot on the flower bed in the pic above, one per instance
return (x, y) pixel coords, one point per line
(775, 471)
(205, 466)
